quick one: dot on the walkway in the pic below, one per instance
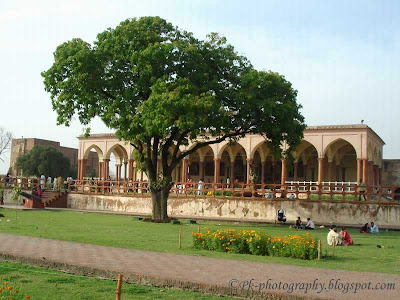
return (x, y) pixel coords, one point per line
(198, 270)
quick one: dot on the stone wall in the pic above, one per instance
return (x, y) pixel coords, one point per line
(7, 196)
(391, 172)
(246, 210)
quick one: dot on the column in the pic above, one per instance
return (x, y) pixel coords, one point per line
(79, 169)
(130, 169)
(295, 171)
(117, 172)
(330, 165)
(359, 170)
(273, 171)
(125, 164)
(106, 167)
(371, 172)
(217, 163)
(284, 171)
(380, 176)
(365, 173)
(232, 179)
(101, 170)
(320, 170)
(249, 162)
(201, 170)
(184, 170)
(83, 167)
(262, 172)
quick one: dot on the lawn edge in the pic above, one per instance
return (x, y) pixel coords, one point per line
(149, 280)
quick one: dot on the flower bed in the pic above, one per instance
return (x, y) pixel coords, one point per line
(11, 292)
(257, 243)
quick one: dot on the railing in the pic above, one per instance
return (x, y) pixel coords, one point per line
(338, 192)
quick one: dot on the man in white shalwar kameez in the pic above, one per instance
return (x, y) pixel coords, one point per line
(55, 183)
(334, 235)
(49, 182)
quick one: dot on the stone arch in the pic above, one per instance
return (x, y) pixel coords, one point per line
(340, 161)
(228, 148)
(119, 152)
(98, 151)
(337, 144)
(303, 148)
(262, 149)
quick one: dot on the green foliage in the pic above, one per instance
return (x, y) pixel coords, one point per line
(91, 172)
(44, 160)
(159, 88)
(16, 194)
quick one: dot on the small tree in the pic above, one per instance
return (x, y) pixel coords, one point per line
(15, 196)
(91, 172)
(44, 160)
(160, 88)
(5, 141)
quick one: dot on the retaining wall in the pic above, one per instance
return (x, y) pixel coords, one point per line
(246, 210)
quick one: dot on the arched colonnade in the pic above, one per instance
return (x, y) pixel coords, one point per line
(327, 153)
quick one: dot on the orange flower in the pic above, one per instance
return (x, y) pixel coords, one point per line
(27, 297)
(1, 290)
(5, 283)
(10, 288)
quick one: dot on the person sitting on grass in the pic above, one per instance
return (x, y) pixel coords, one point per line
(364, 229)
(347, 240)
(374, 228)
(310, 224)
(334, 236)
(298, 224)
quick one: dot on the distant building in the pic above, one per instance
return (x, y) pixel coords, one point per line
(24, 145)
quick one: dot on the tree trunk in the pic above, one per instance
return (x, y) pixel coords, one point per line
(157, 206)
(160, 201)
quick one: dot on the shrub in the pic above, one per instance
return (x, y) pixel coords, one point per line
(257, 243)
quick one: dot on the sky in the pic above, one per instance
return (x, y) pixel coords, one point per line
(341, 56)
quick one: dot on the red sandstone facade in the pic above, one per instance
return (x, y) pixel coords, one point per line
(24, 145)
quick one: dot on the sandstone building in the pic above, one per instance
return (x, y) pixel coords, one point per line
(24, 145)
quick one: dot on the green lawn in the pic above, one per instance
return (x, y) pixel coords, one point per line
(46, 284)
(123, 231)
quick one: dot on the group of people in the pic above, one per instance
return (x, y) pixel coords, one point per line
(309, 226)
(369, 229)
(54, 183)
(344, 238)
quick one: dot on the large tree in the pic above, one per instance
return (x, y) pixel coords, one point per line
(44, 160)
(160, 88)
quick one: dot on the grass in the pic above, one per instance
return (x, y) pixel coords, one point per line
(43, 284)
(123, 231)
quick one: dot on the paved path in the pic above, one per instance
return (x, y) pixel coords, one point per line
(208, 271)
